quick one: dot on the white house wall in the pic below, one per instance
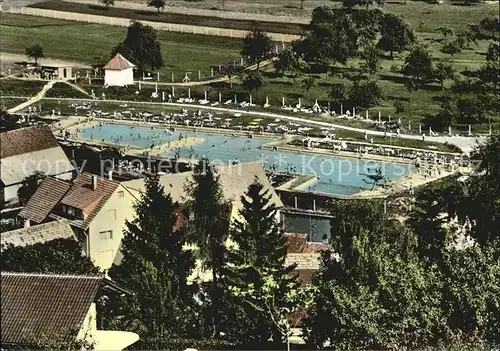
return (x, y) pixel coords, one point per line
(119, 78)
(112, 217)
(14, 169)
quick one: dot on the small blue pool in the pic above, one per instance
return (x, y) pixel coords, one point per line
(337, 175)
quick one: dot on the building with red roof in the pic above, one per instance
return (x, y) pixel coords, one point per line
(119, 72)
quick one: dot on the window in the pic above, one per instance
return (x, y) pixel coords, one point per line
(106, 235)
(121, 194)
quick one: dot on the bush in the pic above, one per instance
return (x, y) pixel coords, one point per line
(399, 106)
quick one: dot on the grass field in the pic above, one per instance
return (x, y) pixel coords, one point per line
(205, 21)
(17, 87)
(92, 43)
(423, 17)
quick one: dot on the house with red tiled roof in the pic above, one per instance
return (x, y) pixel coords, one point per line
(52, 309)
(25, 151)
(96, 209)
(119, 72)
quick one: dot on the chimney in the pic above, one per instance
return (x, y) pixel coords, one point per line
(110, 174)
(94, 182)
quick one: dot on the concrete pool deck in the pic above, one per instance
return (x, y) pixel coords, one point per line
(281, 143)
(273, 140)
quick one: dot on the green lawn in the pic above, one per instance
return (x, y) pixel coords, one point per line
(18, 87)
(7, 103)
(92, 43)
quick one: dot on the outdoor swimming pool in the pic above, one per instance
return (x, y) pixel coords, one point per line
(337, 175)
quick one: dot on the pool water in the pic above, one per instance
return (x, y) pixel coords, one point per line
(337, 175)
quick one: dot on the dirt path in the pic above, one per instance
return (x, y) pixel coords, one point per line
(34, 99)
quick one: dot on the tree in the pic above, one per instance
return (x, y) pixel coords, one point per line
(141, 46)
(156, 267)
(307, 83)
(446, 117)
(256, 47)
(371, 59)
(258, 275)
(443, 72)
(252, 82)
(451, 48)
(60, 256)
(29, 186)
(395, 34)
(208, 229)
(482, 206)
(158, 4)
(490, 71)
(431, 218)
(275, 300)
(35, 52)
(338, 93)
(365, 93)
(472, 293)
(491, 25)
(107, 3)
(418, 68)
(331, 37)
(373, 293)
(229, 70)
(288, 62)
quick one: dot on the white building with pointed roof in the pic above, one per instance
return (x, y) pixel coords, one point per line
(119, 72)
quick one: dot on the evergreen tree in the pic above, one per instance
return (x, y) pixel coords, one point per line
(208, 229)
(155, 267)
(257, 272)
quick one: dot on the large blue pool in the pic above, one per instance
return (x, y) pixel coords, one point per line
(337, 175)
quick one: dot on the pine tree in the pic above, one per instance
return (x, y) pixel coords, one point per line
(257, 272)
(155, 267)
(208, 229)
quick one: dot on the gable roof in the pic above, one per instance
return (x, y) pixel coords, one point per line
(53, 161)
(36, 305)
(119, 63)
(234, 180)
(26, 140)
(82, 196)
(41, 233)
(45, 199)
(79, 194)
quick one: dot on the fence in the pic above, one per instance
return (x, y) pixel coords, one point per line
(124, 22)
